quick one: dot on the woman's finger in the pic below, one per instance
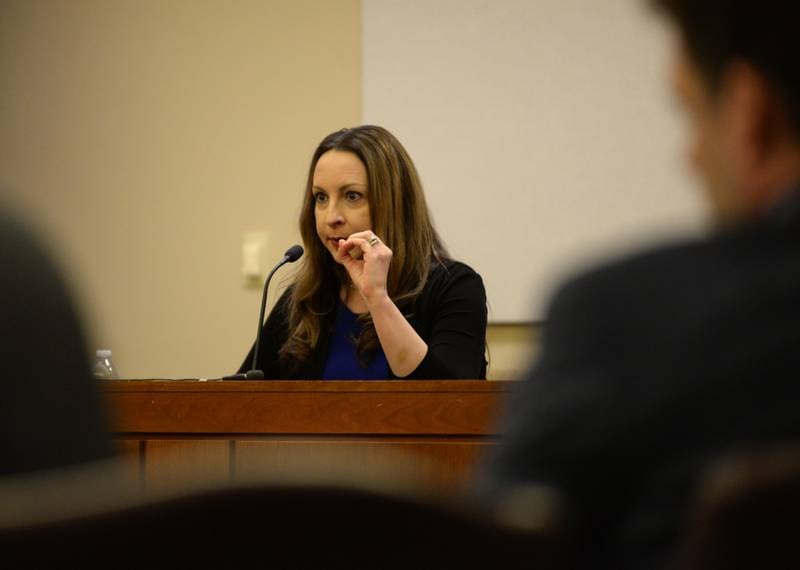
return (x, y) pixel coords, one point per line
(366, 234)
(356, 246)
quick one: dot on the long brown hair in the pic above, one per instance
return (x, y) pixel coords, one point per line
(399, 217)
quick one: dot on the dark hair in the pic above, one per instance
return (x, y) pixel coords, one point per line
(400, 218)
(764, 34)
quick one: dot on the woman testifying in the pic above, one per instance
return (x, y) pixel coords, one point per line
(376, 296)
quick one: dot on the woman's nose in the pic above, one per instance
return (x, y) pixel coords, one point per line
(334, 217)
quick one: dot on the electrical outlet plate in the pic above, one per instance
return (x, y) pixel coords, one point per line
(255, 253)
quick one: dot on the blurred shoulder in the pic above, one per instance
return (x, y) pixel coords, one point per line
(647, 274)
(651, 264)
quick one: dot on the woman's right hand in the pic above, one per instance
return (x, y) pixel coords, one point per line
(370, 273)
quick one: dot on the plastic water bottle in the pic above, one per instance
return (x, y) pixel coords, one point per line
(104, 368)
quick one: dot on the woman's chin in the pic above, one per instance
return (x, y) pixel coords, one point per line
(334, 254)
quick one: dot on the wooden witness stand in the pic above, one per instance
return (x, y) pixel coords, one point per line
(434, 430)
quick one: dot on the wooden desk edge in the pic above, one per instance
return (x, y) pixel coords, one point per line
(401, 386)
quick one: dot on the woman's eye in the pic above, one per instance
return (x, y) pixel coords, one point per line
(320, 198)
(352, 196)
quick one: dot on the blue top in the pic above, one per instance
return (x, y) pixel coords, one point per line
(342, 363)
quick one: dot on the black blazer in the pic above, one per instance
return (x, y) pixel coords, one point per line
(651, 367)
(450, 316)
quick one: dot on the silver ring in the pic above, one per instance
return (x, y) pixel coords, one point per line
(373, 240)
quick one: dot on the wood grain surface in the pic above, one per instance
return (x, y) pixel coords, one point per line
(434, 430)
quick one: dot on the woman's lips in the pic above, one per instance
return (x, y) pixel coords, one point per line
(355, 253)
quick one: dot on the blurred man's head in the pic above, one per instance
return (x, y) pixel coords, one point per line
(736, 77)
(51, 411)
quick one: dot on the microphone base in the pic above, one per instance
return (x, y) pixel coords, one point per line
(255, 375)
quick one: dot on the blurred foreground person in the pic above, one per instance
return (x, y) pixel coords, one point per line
(50, 411)
(655, 365)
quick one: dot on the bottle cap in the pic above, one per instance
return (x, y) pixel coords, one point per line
(104, 353)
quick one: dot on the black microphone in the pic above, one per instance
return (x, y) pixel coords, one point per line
(292, 254)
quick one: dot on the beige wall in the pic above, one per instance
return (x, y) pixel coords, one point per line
(145, 137)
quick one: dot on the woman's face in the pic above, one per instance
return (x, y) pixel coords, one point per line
(340, 197)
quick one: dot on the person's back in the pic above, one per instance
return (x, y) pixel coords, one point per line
(646, 377)
(50, 411)
(655, 365)
(710, 366)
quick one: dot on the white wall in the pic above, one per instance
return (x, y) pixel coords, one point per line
(543, 131)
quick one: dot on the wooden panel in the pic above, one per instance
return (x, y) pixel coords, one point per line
(439, 463)
(306, 407)
(450, 463)
(131, 452)
(433, 430)
(170, 461)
